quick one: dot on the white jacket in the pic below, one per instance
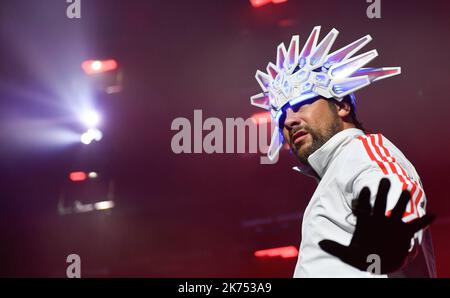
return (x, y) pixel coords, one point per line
(345, 164)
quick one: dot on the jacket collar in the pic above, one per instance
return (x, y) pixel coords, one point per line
(321, 158)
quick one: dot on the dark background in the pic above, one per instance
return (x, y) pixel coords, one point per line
(191, 215)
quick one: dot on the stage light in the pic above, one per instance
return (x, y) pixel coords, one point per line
(82, 208)
(77, 176)
(92, 134)
(104, 205)
(91, 118)
(283, 252)
(96, 65)
(92, 67)
(259, 3)
(97, 134)
(86, 138)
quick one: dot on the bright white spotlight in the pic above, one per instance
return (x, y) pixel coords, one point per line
(96, 134)
(104, 205)
(92, 134)
(86, 138)
(96, 65)
(91, 118)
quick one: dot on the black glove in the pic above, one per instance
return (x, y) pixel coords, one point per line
(387, 237)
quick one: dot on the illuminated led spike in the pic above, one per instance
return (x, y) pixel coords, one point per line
(276, 143)
(320, 52)
(310, 43)
(292, 54)
(278, 80)
(376, 74)
(281, 55)
(347, 51)
(344, 87)
(347, 67)
(272, 70)
(260, 100)
(263, 80)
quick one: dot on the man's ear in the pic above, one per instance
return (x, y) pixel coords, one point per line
(343, 109)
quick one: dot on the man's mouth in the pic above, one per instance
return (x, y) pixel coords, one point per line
(298, 136)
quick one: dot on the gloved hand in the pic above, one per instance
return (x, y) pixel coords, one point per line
(375, 233)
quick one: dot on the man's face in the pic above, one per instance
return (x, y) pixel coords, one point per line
(309, 126)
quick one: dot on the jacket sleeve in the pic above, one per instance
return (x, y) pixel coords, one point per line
(415, 208)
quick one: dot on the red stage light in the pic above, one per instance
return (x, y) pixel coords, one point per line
(77, 176)
(284, 252)
(259, 3)
(91, 67)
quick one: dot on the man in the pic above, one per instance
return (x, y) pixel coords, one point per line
(367, 215)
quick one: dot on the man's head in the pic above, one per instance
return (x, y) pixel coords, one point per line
(308, 126)
(313, 71)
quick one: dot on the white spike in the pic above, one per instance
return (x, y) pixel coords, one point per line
(281, 55)
(310, 43)
(275, 144)
(292, 53)
(348, 51)
(345, 68)
(260, 100)
(319, 54)
(263, 79)
(376, 74)
(343, 87)
(272, 70)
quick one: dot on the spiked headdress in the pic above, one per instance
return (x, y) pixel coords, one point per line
(298, 77)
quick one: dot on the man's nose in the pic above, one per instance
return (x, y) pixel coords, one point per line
(292, 120)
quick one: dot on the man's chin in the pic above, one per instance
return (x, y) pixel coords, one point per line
(301, 153)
